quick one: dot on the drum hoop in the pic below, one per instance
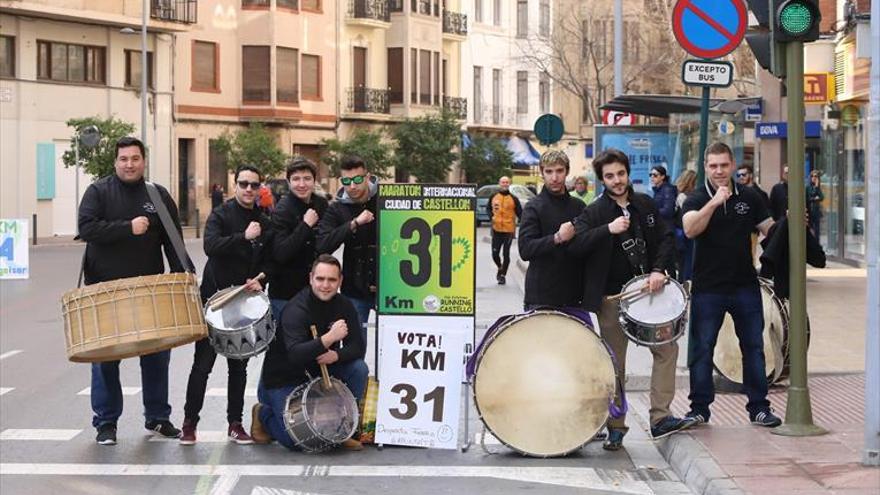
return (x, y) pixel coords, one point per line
(681, 315)
(261, 295)
(487, 344)
(305, 410)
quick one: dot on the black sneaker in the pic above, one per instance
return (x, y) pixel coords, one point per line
(502, 279)
(162, 428)
(695, 419)
(669, 425)
(766, 418)
(106, 434)
(614, 440)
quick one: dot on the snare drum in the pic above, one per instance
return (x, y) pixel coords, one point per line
(543, 382)
(318, 418)
(655, 318)
(241, 328)
(128, 317)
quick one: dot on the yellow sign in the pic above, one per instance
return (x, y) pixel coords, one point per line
(819, 87)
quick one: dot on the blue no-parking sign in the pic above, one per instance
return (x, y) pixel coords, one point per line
(709, 28)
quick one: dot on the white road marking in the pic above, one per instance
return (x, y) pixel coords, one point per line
(265, 490)
(10, 354)
(125, 391)
(221, 392)
(38, 434)
(224, 484)
(202, 436)
(577, 477)
(6, 390)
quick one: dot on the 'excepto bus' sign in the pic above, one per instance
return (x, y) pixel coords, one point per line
(707, 73)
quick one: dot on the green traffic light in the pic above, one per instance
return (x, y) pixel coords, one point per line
(795, 18)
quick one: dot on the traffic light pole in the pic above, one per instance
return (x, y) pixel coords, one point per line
(798, 411)
(704, 135)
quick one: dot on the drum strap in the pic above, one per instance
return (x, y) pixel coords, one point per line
(170, 229)
(633, 245)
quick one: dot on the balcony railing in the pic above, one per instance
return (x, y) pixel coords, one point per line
(454, 23)
(369, 9)
(368, 100)
(183, 11)
(456, 105)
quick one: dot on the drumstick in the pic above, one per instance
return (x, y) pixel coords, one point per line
(627, 294)
(325, 375)
(222, 300)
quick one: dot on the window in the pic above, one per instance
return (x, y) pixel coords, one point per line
(7, 56)
(287, 4)
(395, 5)
(522, 91)
(205, 66)
(395, 75)
(496, 96)
(478, 10)
(425, 77)
(478, 93)
(73, 63)
(436, 78)
(544, 92)
(311, 77)
(599, 39)
(544, 18)
(522, 18)
(496, 13)
(414, 76)
(255, 3)
(255, 77)
(133, 69)
(314, 5)
(287, 75)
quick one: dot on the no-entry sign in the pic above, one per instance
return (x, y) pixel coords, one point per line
(709, 28)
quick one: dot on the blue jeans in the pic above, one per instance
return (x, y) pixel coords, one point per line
(363, 307)
(707, 313)
(107, 390)
(353, 374)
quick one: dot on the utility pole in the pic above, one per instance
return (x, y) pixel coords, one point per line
(618, 47)
(144, 87)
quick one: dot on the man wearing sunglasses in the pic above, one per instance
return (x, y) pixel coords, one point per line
(237, 242)
(745, 175)
(350, 221)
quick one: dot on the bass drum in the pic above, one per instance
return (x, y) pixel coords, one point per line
(543, 382)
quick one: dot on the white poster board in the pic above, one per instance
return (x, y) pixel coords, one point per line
(14, 249)
(422, 362)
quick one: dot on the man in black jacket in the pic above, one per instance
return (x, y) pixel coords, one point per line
(779, 196)
(621, 235)
(299, 355)
(294, 223)
(125, 239)
(554, 277)
(237, 237)
(350, 221)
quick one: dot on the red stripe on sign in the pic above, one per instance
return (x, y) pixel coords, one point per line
(710, 21)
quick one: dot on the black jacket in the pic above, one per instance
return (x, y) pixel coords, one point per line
(779, 200)
(359, 256)
(554, 276)
(664, 200)
(774, 258)
(293, 245)
(113, 251)
(293, 351)
(232, 259)
(594, 242)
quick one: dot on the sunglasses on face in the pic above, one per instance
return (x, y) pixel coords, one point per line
(243, 184)
(357, 179)
(742, 174)
(654, 174)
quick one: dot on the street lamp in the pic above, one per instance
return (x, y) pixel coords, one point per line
(143, 33)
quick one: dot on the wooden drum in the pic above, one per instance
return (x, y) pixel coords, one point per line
(133, 316)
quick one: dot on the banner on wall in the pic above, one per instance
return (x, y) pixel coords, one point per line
(14, 263)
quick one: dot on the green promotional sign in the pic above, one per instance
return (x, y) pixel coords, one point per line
(427, 243)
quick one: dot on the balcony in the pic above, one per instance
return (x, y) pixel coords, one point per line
(375, 13)
(454, 24)
(182, 11)
(368, 100)
(456, 105)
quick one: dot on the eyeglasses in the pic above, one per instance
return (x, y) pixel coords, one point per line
(244, 184)
(357, 179)
(742, 174)
(654, 174)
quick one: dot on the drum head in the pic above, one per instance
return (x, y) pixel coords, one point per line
(330, 412)
(543, 384)
(728, 357)
(658, 308)
(241, 312)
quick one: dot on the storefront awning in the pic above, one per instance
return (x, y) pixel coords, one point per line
(663, 105)
(524, 154)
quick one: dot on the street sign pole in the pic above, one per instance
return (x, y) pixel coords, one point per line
(798, 411)
(704, 134)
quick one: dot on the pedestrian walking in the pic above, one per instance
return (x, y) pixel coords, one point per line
(779, 196)
(216, 196)
(504, 209)
(664, 194)
(684, 247)
(815, 196)
(581, 190)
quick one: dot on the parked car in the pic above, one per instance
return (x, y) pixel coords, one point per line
(522, 193)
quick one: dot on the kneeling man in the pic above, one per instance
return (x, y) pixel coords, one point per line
(294, 355)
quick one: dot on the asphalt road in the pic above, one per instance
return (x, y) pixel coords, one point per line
(47, 443)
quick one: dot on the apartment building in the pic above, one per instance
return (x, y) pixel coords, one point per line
(268, 61)
(68, 59)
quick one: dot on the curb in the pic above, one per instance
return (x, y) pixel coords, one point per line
(695, 466)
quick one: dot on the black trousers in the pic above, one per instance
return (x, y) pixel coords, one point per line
(501, 250)
(203, 363)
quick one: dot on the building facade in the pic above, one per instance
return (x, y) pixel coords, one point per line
(64, 60)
